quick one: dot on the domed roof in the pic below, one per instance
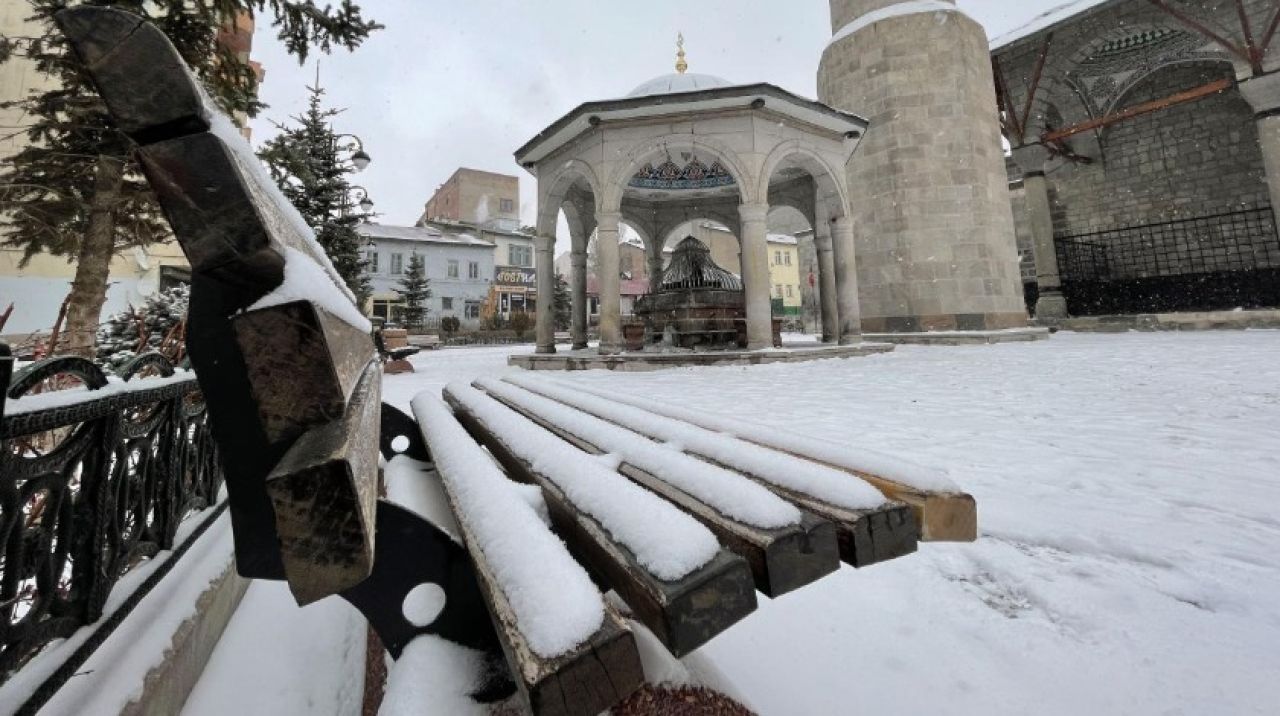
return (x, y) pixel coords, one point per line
(679, 82)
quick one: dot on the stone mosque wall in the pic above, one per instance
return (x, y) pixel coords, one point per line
(1193, 160)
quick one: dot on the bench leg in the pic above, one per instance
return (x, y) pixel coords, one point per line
(411, 551)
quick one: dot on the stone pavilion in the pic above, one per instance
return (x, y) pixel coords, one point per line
(919, 216)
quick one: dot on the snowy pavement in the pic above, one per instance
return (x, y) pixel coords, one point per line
(1127, 488)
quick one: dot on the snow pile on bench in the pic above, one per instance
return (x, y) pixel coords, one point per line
(863, 460)
(786, 471)
(305, 280)
(727, 492)
(308, 275)
(553, 599)
(665, 541)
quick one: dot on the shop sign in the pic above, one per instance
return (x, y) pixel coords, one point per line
(515, 276)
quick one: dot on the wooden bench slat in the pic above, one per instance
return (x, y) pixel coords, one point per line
(944, 516)
(324, 492)
(600, 671)
(865, 536)
(683, 614)
(781, 559)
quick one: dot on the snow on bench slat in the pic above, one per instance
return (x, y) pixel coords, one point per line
(729, 493)
(858, 459)
(554, 601)
(415, 486)
(786, 471)
(665, 541)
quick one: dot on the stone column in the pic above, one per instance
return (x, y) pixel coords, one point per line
(755, 274)
(827, 290)
(655, 269)
(1263, 94)
(579, 288)
(610, 288)
(849, 326)
(546, 273)
(1051, 305)
(928, 189)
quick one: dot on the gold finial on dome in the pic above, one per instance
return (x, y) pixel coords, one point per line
(681, 65)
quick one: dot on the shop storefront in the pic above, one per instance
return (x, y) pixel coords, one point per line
(516, 289)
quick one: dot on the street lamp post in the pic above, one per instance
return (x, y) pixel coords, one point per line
(360, 159)
(364, 202)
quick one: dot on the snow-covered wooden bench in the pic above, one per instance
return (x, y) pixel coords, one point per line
(285, 360)
(682, 516)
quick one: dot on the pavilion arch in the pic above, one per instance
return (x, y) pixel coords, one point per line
(581, 218)
(641, 152)
(555, 191)
(829, 184)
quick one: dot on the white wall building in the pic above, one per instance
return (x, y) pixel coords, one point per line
(459, 266)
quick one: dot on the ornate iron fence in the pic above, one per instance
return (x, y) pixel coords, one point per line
(1213, 262)
(93, 481)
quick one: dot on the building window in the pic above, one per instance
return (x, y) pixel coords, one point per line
(777, 258)
(777, 291)
(371, 260)
(473, 309)
(453, 268)
(473, 270)
(518, 255)
(788, 258)
(446, 303)
(397, 264)
(788, 290)
(506, 206)
(388, 311)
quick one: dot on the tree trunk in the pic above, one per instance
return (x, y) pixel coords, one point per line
(93, 266)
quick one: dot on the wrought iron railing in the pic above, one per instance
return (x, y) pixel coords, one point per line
(1207, 262)
(93, 481)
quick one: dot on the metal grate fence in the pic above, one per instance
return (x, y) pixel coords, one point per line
(1212, 262)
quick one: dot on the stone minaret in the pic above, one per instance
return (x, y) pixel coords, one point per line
(928, 188)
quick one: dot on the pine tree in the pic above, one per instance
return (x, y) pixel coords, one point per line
(308, 162)
(563, 304)
(414, 291)
(75, 190)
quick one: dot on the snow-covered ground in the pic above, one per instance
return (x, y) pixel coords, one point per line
(1130, 551)
(277, 658)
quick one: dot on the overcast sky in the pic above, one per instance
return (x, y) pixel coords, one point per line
(453, 83)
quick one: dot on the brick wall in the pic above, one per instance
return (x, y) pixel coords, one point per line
(1191, 160)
